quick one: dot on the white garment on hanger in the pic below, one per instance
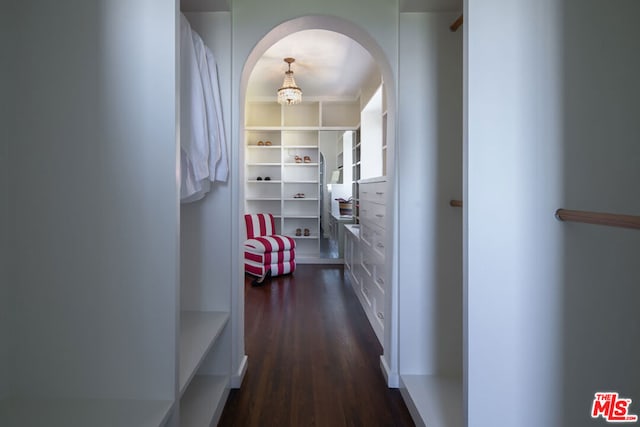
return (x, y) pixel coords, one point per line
(193, 129)
(203, 139)
(222, 164)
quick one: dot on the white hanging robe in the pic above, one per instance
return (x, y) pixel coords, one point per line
(203, 142)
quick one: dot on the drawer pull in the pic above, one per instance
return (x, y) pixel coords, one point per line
(379, 215)
(380, 315)
(379, 193)
(380, 245)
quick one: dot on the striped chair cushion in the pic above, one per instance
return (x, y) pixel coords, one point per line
(266, 258)
(274, 243)
(259, 225)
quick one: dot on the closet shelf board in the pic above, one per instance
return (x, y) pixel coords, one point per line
(264, 147)
(38, 412)
(198, 332)
(433, 399)
(313, 147)
(204, 400)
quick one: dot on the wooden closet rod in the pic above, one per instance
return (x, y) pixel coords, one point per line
(613, 220)
(455, 203)
(456, 24)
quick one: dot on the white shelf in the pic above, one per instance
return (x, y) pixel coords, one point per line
(263, 128)
(197, 406)
(311, 128)
(301, 146)
(271, 181)
(312, 237)
(83, 413)
(298, 136)
(433, 400)
(198, 332)
(265, 147)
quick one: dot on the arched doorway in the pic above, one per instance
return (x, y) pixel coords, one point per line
(364, 39)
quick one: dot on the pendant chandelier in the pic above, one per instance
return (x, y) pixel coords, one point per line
(289, 93)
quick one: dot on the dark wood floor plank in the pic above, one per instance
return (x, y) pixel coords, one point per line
(313, 357)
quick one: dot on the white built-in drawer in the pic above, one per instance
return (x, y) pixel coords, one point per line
(379, 273)
(374, 191)
(367, 233)
(368, 262)
(377, 300)
(373, 212)
(379, 241)
(366, 291)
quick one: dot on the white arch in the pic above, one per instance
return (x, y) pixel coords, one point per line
(360, 35)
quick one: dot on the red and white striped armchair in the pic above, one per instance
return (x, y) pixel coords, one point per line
(266, 251)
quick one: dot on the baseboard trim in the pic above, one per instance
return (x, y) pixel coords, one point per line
(238, 377)
(393, 379)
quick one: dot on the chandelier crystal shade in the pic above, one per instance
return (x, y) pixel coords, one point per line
(289, 93)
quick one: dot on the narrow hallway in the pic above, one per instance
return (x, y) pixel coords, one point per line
(313, 357)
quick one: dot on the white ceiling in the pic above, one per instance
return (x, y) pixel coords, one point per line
(327, 64)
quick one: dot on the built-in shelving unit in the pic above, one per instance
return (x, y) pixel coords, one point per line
(198, 332)
(369, 266)
(356, 165)
(282, 143)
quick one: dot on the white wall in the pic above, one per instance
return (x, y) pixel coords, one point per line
(552, 122)
(94, 199)
(371, 137)
(7, 27)
(601, 282)
(429, 174)
(513, 185)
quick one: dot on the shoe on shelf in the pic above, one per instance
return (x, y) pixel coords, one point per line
(298, 159)
(267, 143)
(307, 159)
(298, 232)
(260, 143)
(259, 178)
(306, 232)
(266, 178)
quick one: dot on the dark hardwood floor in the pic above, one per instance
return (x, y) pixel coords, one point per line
(313, 357)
